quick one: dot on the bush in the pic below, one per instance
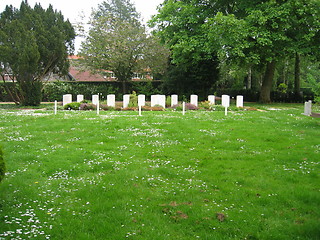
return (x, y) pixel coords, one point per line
(155, 108)
(206, 105)
(2, 165)
(133, 101)
(87, 106)
(105, 107)
(72, 106)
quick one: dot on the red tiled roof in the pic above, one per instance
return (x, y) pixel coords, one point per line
(85, 76)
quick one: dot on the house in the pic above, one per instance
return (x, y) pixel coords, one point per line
(83, 75)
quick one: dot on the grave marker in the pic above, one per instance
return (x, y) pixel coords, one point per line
(158, 100)
(239, 101)
(67, 98)
(126, 100)
(174, 100)
(194, 100)
(141, 100)
(308, 108)
(95, 99)
(80, 98)
(212, 99)
(111, 100)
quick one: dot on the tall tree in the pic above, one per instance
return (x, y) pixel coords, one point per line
(257, 32)
(117, 41)
(34, 42)
(268, 32)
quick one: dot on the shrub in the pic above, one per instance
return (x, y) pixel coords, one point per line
(105, 107)
(2, 165)
(206, 105)
(72, 106)
(168, 101)
(133, 102)
(87, 106)
(155, 108)
(190, 106)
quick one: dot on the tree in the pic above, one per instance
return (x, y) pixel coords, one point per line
(267, 33)
(33, 43)
(247, 33)
(118, 42)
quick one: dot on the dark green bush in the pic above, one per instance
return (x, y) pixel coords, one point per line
(72, 106)
(2, 165)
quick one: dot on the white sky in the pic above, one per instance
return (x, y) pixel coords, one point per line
(71, 9)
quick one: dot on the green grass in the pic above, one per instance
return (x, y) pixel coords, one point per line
(76, 175)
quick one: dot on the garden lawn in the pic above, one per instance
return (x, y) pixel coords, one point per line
(79, 175)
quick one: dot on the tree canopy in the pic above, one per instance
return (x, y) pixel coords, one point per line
(34, 42)
(118, 42)
(246, 33)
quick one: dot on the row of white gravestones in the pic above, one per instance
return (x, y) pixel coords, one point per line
(160, 100)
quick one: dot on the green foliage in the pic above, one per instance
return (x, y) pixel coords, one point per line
(72, 106)
(117, 41)
(55, 90)
(133, 101)
(34, 43)
(2, 165)
(283, 88)
(206, 105)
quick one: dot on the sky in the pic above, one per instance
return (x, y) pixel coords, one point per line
(72, 9)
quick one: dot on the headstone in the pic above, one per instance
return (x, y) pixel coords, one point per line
(141, 100)
(67, 98)
(212, 99)
(95, 99)
(174, 100)
(308, 108)
(225, 101)
(194, 100)
(239, 101)
(111, 100)
(79, 98)
(126, 99)
(162, 100)
(159, 100)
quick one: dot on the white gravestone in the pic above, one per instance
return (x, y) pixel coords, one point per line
(67, 98)
(111, 100)
(95, 99)
(308, 108)
(162, 101)
(126, 100)
(212, 99)
(159, 100)
(79, 98)
(194, 100)
(239, 101)
(141, 100)
(174, 100)
(225, 101)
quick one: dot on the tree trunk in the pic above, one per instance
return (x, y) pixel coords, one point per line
(297, 81)
(267, 82)
(249, 78)
(30, 90)
(124, 86)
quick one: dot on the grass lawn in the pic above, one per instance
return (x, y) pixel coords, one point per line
(77, 175)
